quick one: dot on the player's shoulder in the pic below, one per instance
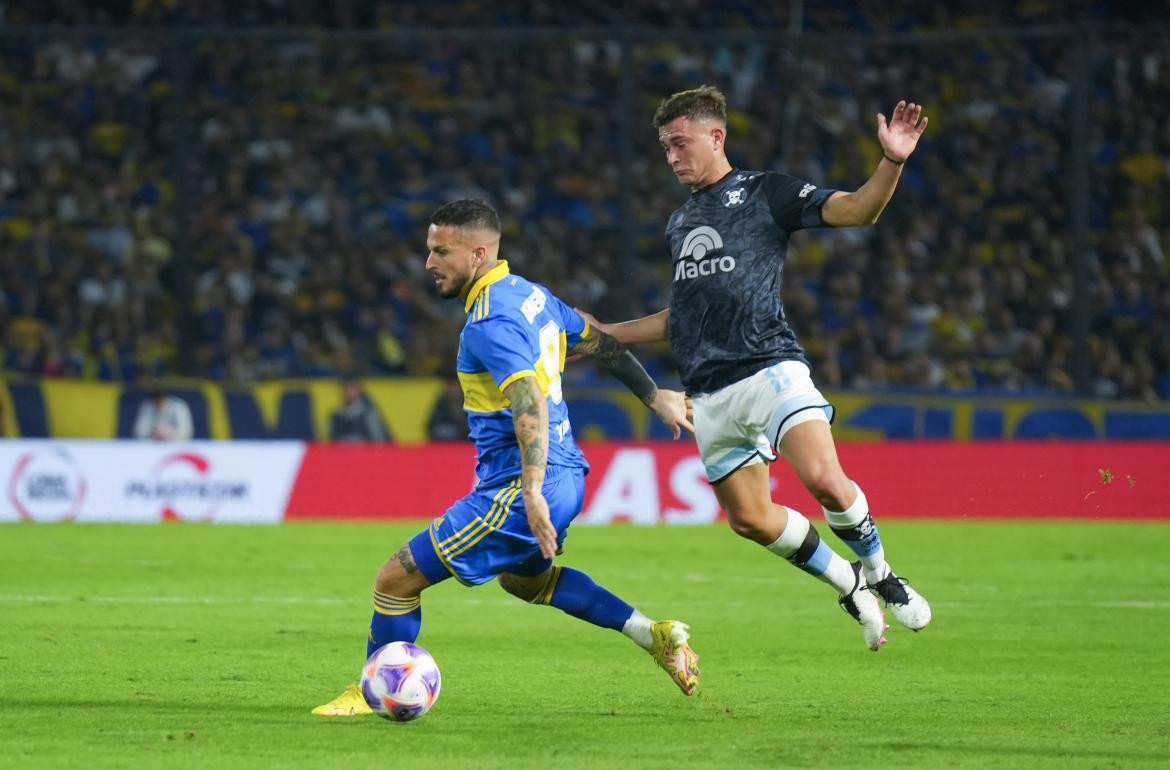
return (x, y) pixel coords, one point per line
(778, 183)
(495, 300)
(513, 299)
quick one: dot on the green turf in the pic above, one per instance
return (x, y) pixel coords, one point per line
(200, 646)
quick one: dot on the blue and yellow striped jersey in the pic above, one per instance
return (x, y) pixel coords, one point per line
(515, 328)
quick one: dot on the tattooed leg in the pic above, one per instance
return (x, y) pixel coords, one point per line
(397, 606)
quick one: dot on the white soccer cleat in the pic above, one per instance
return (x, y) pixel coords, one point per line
(905, 604)
(863, 607)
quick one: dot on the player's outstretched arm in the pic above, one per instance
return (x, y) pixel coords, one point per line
(613, 357)
(651, 328)
(530, 421)
(898, 139)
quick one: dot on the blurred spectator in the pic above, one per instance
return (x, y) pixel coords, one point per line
(314, 164)
(356, 420)
(163, 417)
(448, 420)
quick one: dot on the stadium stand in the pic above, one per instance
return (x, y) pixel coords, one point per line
(312, 163)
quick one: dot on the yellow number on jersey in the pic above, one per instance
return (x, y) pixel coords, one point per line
(550, 359)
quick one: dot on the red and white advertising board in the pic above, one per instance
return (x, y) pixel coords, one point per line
(144, 482)
(638, 483)
(664, 482)
(905, 479)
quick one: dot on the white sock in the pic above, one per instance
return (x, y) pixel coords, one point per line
(856, 527)
(801, 545)
(793, 535)
(638, 629)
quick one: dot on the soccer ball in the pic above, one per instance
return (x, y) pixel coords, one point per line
(400, 681)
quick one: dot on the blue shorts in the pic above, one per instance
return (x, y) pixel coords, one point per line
(487, 533)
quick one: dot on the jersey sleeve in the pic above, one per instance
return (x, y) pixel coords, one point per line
(795, 203)
(575, 326)
(503, 347)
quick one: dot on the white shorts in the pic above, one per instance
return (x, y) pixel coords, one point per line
(743, 423)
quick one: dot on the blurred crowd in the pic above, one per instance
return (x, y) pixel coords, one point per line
(252, 207)
(684, 15)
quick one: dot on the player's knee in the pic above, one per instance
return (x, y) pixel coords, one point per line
(828, 484)
(389, 580)
(753, 526)
(520, 587)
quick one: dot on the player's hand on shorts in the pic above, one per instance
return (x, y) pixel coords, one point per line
(674, 409)
(540, 523)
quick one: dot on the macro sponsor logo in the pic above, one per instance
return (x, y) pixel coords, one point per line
(183, 486)
(47, 485)
(693, 260)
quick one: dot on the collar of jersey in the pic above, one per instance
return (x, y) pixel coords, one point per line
(714, 184)
(487, 279)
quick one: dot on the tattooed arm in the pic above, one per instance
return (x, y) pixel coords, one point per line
(530, 421)
(613, 357)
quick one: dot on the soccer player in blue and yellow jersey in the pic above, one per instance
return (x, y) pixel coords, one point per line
(754, 398)
(530, 472)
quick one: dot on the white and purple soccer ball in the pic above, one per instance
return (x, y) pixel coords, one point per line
(400, 681)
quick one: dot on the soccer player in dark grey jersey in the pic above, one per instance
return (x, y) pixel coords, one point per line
(754, 399)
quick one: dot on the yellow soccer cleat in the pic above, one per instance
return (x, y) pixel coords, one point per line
(349, 704)
(670, 650)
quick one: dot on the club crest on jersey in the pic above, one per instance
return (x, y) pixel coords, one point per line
(693, 260)
(733, 198)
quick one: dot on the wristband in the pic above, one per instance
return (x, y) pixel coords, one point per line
(891, 160)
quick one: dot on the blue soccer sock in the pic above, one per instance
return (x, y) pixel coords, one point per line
(801, 544)
(575, 592)
(395, 619)
(856, 527)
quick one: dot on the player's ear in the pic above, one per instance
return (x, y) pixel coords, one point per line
(718, 137)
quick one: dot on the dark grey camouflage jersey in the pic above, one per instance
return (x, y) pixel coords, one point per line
(728, 244)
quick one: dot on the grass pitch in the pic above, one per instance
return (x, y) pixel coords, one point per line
(198, 646)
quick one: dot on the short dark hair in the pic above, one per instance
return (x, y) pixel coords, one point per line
(695, 103)
(468, 212)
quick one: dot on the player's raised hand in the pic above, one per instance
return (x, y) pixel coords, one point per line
(540, 523)
(674, 409)
(899, 136)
